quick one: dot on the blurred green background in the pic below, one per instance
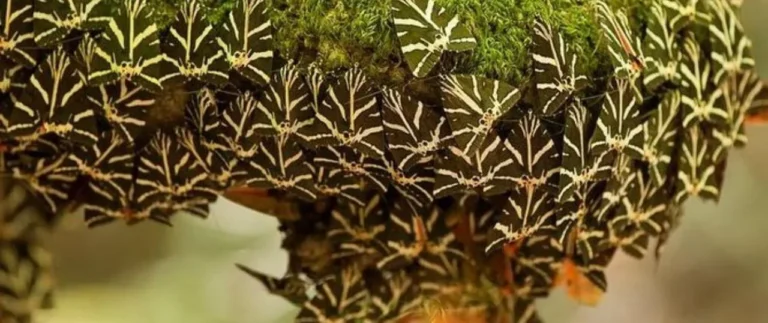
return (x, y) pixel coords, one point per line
(713, 270)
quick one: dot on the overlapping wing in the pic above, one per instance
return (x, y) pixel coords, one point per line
(425, 31)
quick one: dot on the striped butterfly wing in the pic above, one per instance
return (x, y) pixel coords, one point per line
(641, 212)
(198, 181)
(108, 164)
(317, 84)
(104, 207)
(619, 129)
(333, 182)
(439, 276)
(341, 298)
(697, 166)
(414, 131)
(281, 165)
(204, 119)
(221, 172)
(536, 262)
(84, 55)
(45, 179)
(350, 115)
(591, 238)
(532, 200)
(555, 69)
(670, 222)
(490, 171)
(130, 49)
(415, 184)
(738, 94)
(123, 106)
(525, 211)
(661, 132)
(292, 288)
(443, 252)
(203, 136)
(700, 97)
(533, 151)
(662, 50)
(616, 188)
(54, 102)
(13, 76)
(191, 53)
(624, 48)
(579, 165)
(632, 242)
(393, 297)
(285, 109)
(353, 163)
(246, 40)
(425, 31)
(357, 230)
(576, 214)
(168, 173)
(731, 48)
(236, 134)
(594, 269)
(404, 237)
(474, 105)
(54, 20)
(18, 33)
(683, 13)
(478, 222)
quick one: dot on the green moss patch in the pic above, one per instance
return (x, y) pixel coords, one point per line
(340, 33)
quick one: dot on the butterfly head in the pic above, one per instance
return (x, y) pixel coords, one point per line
(240, 59)
(126, 70)
(441, 42)
(5, 85)
(6, 44)
(73, 21)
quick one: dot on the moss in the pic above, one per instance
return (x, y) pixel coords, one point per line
(164, 11)
(340, 33)
(503, 31)
(336, 32)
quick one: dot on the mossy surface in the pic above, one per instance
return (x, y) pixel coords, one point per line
(503, 29)
(164, 11)
(340, 33)
(336, 33)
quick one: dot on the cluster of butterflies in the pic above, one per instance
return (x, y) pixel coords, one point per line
(26, 271)
(390, 195)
